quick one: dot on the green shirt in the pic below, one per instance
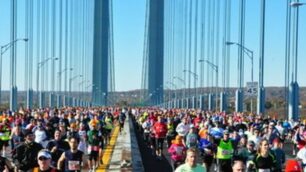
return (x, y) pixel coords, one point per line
(187, 168)
(93, 137)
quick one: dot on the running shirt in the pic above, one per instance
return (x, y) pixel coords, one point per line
(187, 168)
(160, 130)
(264, 164)
(73, 161)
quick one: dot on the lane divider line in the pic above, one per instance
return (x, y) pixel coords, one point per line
(108, 151)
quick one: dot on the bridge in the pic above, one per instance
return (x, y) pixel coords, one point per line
(187, 59)
(192, 52)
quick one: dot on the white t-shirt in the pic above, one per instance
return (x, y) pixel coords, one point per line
(182, 129)
(302, 155)
(40, 136)
(280, 129)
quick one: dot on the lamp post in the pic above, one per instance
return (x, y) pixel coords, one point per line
(183, 95)
(59, 74)
(175, 91)
(250, 54)
(4, 48)
(294, 86)
(40, 65)
(88, 89)
(216, 68)
(195, 77)
(184, 83)
(81, 97)
(70, 82)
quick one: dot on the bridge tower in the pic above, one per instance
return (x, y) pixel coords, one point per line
(103, 61)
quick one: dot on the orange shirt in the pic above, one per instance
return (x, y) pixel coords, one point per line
(203, 133)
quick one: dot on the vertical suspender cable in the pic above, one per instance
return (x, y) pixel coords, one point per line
(189, 49)
(203, 24)
(195, 47)
(287, 54)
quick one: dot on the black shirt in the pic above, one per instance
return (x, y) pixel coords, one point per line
(268, 162)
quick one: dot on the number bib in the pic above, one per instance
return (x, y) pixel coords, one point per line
(74, 165)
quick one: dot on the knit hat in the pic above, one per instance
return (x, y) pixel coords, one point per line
(178, 140)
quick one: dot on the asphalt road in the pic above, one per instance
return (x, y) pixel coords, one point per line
(150, 163)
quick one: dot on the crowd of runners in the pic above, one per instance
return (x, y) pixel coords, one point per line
(48, 140)
(208, 141)
(73, 139)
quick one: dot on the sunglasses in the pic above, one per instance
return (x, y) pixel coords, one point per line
(43, 158)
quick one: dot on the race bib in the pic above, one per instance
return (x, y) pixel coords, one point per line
(74, 165)
(179, 150)
(264, 170)
(226, 152)
(95, 148)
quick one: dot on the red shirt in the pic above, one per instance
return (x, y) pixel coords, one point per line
(196, 121)
(160, 130)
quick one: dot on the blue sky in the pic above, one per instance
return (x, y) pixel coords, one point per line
(129, 22)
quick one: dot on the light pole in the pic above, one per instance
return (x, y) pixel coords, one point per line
(40, 65)
(184, 83)
(81, 97)
(70, 82)
(4, 48)
(175, 91)
(294, 86)
(195, 77)
(59, 74)
(250, 54)
(88, 89)
(183, 95)
(216, 68)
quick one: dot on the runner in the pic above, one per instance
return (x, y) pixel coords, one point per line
(25, 155)
(160, 131)
(94, 142)
(72, 158)
(191, 163)
(44, 162)
(177, 151)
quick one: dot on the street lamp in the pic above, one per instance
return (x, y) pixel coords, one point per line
(184, 83)
(195, 76)
(59, 74)
(70, 82)
(175, 91)
(297, 4)
(216, 68)
(4, 48)
(250, 54)
(82, 90)
(40, 65)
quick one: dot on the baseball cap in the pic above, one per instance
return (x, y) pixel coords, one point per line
(225, 132)
(250, 142)
(44, 153)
